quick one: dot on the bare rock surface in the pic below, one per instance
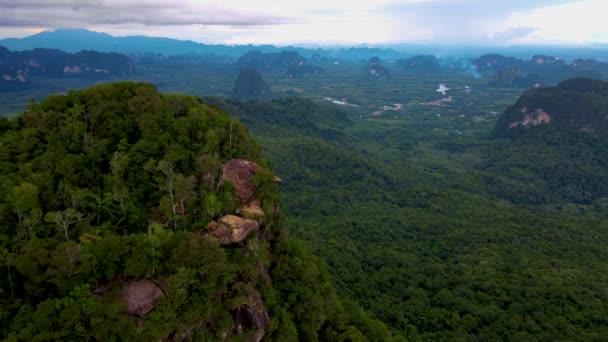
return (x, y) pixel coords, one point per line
(232, 229)
(252, 315)
(252, 211)
(141, 296)
(240, 172)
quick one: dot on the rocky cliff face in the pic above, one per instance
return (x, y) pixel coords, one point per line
(576, 106)
(161, 223)
(142, 296)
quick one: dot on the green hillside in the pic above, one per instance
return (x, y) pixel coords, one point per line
(415, 228)
(558, 145)
(127, 214)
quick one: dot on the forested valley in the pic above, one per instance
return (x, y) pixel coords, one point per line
(360, 194)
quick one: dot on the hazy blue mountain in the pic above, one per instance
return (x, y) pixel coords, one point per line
(567, 52)
(506, 71)
(250, 84)
(421, 63)
(375, 68)
(74, 40)
(258, 60)
(576, 106)
(557, 145)
(18, 68)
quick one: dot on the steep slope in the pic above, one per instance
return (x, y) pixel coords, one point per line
(129, 214)
(417, 239)
(577, 106)
(19, 67)
(557, 150)
(250, 83)
(505, 71)
(375, 68)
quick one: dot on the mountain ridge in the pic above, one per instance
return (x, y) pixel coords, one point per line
(74, 40)
(173, 231)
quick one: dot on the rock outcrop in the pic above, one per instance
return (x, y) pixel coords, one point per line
(141, 296)
(252, 315)
(537, 117)
(252, 211)
(576, 106)
(240, 172)
(232, 229)
(250, 318)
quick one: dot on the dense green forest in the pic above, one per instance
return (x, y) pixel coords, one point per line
(474, 214)
(125, 215)
(416, 228)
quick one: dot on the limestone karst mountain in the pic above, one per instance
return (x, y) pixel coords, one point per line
(125, 213)
(250, 84)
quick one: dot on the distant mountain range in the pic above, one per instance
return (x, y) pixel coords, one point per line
(19, 68)
(74, 40)
(537, 71)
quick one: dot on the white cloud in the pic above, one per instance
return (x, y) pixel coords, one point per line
(320, 21)
(577, 22)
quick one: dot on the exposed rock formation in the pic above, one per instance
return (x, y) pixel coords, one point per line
(252, 315)
(141, 296)
(232, 229)
(220, 232)
(252, 211)
(576, 106)
(240, 173)
(538, 117)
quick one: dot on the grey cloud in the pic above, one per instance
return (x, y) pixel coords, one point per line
(514, 33)
(69, 13)
(463, 21)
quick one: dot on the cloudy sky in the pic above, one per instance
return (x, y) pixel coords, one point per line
(320, 21)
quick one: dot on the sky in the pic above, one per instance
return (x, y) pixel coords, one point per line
(320, 22)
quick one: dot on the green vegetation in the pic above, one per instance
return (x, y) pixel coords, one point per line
(116, 183)
(435, 216)
(558, 151)
(250, 84)
(413, 227)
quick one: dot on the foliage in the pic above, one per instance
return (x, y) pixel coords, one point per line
(117, 183)
(415, 226)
